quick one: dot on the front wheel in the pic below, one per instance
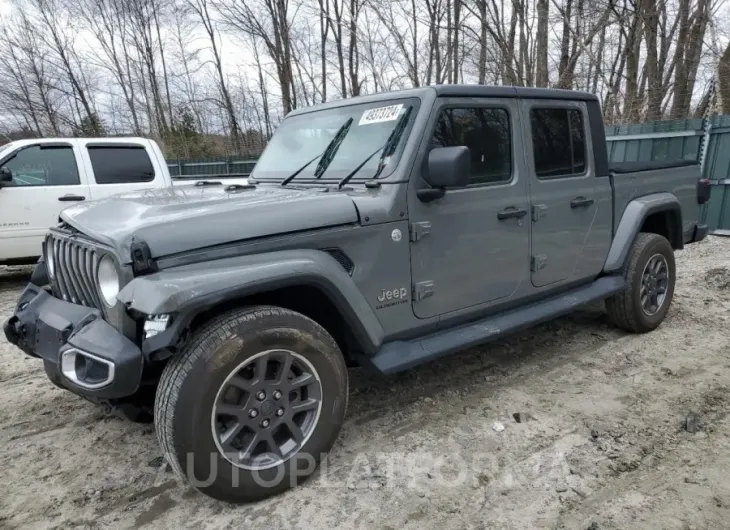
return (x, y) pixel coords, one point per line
(249, 408)
(650, 274)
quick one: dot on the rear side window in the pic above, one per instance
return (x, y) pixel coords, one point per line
(558, 142)
(121, 165)
(47, 166)
(486, 132)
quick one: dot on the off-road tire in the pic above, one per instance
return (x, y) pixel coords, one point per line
(190, 383)
(624, 308)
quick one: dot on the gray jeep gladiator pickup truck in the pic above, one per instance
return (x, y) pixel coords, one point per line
(385, 230)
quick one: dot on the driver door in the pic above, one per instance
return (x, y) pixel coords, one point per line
(46, 179)
(471, 247)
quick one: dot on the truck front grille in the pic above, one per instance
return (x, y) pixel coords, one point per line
(75, 267)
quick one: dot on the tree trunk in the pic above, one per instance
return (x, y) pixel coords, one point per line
(598, 61)
(565, 43)
(353, 53)
(633, 44)
(482, 68)
(324, 27)
(449, 43)
(653, 74)
(336, 26)
(541, 76)
(723, 80)
(455, 62)
(414, 32)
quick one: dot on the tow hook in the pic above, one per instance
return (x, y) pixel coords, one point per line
(13, 330)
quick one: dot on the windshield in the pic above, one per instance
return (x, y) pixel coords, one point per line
(300, 138)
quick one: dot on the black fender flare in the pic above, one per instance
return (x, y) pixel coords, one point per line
(636, 211)
(186, 291)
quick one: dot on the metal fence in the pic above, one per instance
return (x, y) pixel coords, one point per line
(662, 140)
(705, 141)
(211, 166)
(716, 167)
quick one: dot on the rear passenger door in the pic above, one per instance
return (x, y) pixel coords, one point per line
(570, 204)
(119, 167)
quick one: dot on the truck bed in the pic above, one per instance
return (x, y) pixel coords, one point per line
(630, 180)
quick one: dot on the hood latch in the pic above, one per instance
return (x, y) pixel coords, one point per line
(142, 261)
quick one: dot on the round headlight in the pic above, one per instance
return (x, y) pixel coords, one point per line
(50, 261)
(108, 281)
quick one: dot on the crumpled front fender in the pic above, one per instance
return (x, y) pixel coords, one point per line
(189, 290)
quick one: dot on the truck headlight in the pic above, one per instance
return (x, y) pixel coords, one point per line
(107, 279)
(50, 260)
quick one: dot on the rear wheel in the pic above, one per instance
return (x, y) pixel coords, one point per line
(650, 274)
(252, 404)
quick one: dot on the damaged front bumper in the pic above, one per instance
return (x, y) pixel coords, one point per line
(82, 352)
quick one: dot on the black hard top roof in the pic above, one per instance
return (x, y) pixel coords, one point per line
(511, 92)
(473, 91)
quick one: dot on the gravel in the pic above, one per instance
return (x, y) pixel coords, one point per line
(606, 445)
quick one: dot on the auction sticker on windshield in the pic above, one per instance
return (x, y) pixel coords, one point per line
(380, 114)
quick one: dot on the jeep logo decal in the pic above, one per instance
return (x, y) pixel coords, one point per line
(391, 297)
(394, 294)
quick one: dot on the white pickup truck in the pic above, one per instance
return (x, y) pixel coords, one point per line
(41, 177)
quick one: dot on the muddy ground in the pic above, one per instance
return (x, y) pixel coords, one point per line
(602, 440)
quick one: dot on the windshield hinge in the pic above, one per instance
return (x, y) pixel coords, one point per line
(419, 230)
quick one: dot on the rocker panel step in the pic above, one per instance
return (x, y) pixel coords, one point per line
(400, 355)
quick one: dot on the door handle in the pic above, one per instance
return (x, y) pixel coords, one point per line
(511, 212)
(581, 201)
(71, 198)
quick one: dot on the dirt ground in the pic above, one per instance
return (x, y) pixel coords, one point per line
(603, 439)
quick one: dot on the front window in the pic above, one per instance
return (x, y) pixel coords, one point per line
(486, 132)
(363, 131)
(43, 166)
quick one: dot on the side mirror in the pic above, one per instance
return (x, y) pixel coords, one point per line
(6, 176)
(448, 167)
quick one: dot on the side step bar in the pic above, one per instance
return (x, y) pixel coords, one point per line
(400, 355)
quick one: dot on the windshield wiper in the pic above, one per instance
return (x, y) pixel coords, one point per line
(331, 150)
(326, 155)
(291, 177)
(386, 150)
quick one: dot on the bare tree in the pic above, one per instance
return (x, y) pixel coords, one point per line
(108, 22)
(158, 68)
(688, 49)
(56, 29)
(201, 8)
(268, 21)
